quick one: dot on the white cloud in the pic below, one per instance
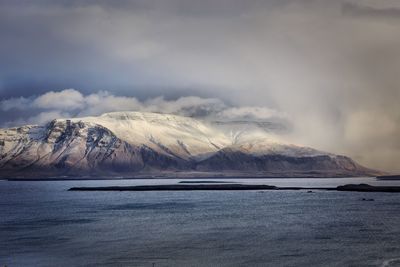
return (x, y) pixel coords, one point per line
(250, 113)
(72, 103)
(64, 100)
(15, 103)
(103, 101)
(46, 116)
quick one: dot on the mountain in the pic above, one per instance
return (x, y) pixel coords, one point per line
(138, 144)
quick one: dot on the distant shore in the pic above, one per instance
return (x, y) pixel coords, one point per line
(181, 175)
(217, 187)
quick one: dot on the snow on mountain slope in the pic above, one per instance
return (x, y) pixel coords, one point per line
(67, 147)
(167, 134)
(135, 142)
(190, 138)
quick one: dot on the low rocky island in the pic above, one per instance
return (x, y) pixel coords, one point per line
(368, 188)
(198, 187)
(177, 187)
(206, 182)
(388, 177)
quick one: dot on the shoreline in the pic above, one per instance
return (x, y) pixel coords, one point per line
(174, 178)
(239, 187)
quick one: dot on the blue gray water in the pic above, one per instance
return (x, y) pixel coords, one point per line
(43, 224)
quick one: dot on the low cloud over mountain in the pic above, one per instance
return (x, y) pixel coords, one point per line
(72, 103)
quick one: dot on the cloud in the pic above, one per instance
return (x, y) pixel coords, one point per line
(17, 102)
(68, 99)
(103, 101)
(191, 106)
(45, 116)
(72, 103)
(356, 9)
(250, 113)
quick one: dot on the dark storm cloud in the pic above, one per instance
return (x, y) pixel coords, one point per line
(331, 66)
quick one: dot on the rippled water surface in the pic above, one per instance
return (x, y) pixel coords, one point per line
(43, 224)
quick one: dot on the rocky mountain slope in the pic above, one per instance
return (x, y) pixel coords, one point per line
(136, 144)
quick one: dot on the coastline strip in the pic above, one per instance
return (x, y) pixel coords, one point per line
(216, 187)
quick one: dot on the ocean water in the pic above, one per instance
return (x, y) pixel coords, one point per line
(43, 224)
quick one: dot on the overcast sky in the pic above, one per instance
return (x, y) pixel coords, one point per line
(331, 68)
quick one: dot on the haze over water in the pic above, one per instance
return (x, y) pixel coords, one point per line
(43, 224)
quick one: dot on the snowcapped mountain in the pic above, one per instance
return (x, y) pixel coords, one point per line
(136, 144)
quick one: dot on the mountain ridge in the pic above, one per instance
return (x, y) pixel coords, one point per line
(136, 144)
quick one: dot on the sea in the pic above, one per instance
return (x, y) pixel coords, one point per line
(44, 224)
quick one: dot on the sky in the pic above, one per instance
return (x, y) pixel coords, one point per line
(328, 68)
